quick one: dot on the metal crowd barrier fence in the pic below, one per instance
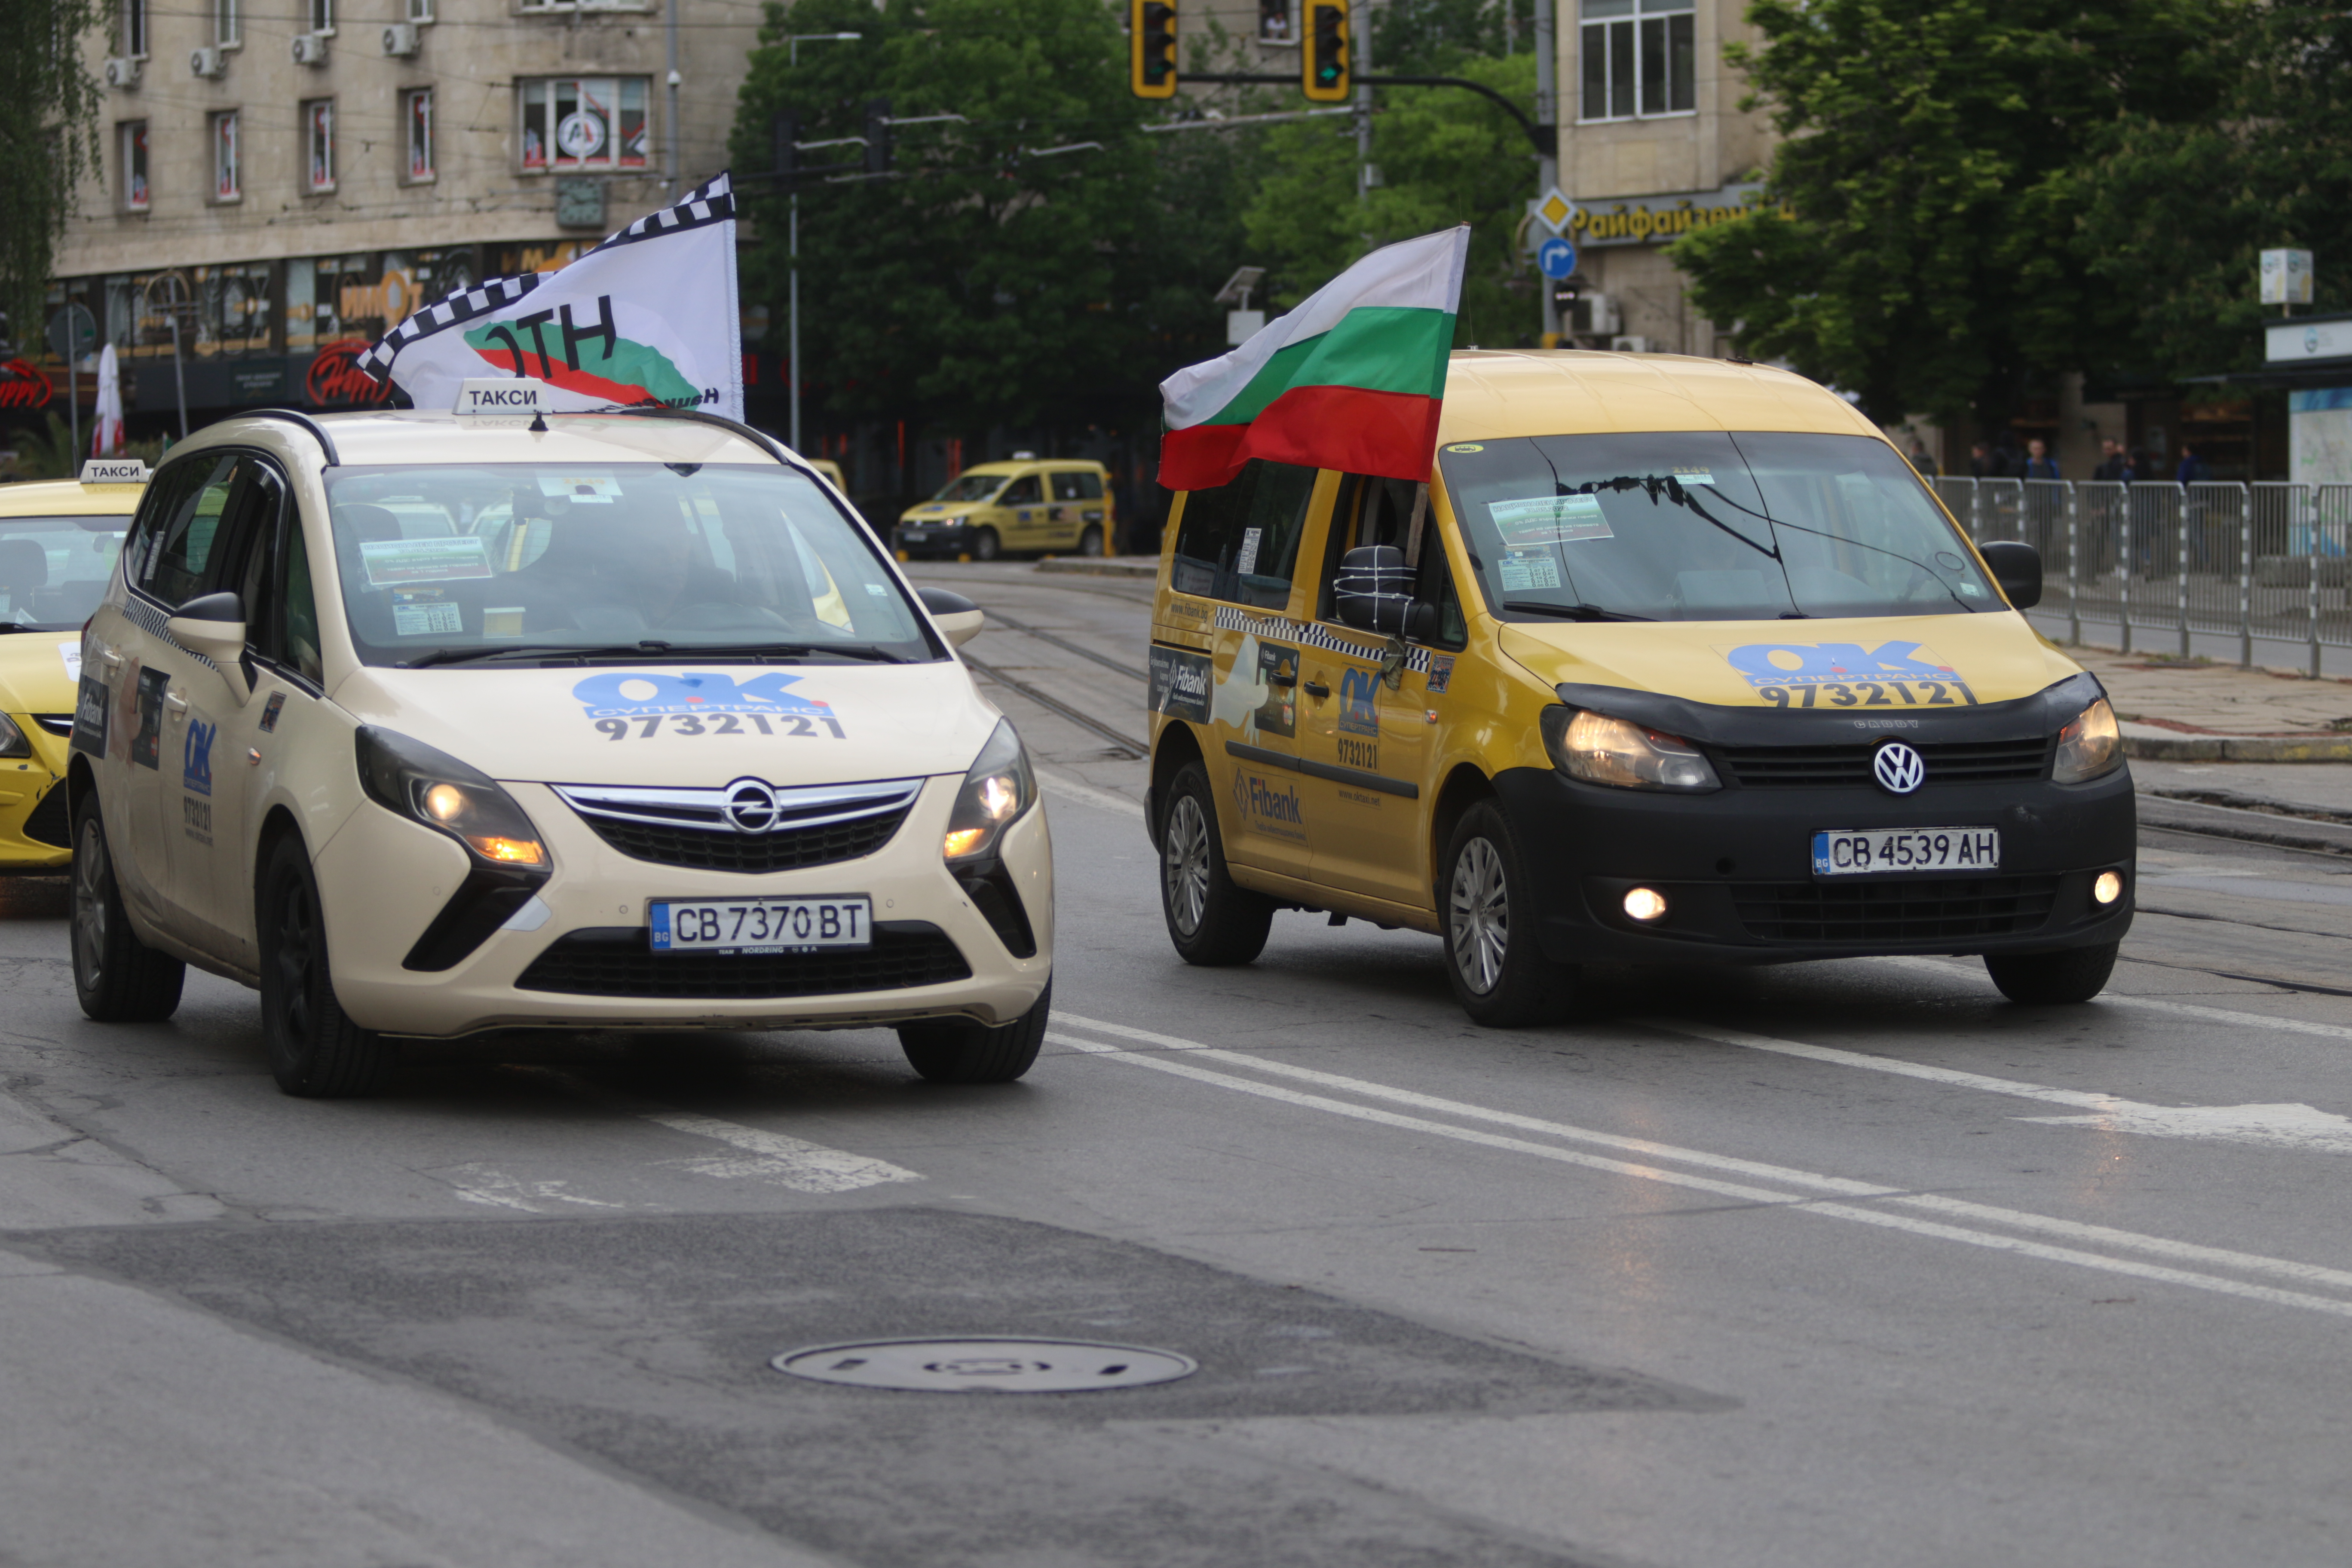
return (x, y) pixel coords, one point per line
(2264, 561)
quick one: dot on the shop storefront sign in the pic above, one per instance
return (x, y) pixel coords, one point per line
(22, 387)
(1662, 219)
(336, 381)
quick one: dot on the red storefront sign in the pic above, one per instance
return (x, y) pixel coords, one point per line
(335, 379)
(22, 387)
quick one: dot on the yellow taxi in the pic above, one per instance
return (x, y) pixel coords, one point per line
(1672, 662)
(58, 540)
(1023, 504)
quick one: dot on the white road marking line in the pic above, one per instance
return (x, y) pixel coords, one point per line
(2293, 1126)
(787, 1161)
(1086, 794)
(2159, 1004)
(1956, 1208)
(482, 1184)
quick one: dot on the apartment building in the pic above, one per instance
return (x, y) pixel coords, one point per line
(285, 179)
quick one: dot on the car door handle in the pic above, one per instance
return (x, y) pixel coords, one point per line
(111, 657)
(175, 702)
(1317, 691)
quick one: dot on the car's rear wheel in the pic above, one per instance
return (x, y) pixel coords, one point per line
(960, 1050)
(986, 546)
(2077, 974)
(1212, 921)
(118, 979)
(1090, 542)
(1493, 960)
(315, 1050)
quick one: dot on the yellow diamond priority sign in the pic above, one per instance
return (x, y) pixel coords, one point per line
(1555, 210)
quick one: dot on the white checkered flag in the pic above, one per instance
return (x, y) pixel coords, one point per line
(646, 318)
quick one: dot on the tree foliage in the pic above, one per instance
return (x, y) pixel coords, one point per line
(2173, 213)
(1929, 170)
(983, 284)
(1445, 157)
(48, 115)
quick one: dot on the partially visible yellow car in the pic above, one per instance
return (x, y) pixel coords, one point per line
(58, 540)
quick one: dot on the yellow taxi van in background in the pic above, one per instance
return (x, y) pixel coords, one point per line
(58, 540)
(1674, 661)
(1023, 504)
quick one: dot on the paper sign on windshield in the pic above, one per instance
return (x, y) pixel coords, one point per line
(391, 562)
(1549, 519)
(591, 488)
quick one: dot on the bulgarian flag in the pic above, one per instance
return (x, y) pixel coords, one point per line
(1352, 379)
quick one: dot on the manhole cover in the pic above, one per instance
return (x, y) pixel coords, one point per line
(1005, 1365)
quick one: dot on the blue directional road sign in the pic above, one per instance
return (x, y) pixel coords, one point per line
(1555, 258)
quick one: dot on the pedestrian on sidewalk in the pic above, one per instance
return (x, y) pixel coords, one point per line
(2192, 471)
(1982, 463)
(2113, 464)
(2038, 463)
(1920, 460)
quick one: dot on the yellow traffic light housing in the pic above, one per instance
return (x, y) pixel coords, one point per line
(1152, 48)
(1323, 62)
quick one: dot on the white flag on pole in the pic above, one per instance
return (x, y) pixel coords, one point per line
(647, 317)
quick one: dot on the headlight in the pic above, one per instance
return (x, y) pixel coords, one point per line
(409, 777)
(1604, 751)
(12, 738)
(2088, 747)
(998, 789)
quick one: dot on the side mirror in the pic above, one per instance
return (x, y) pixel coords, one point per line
(213, 625)
(958, 619)
(2017, 568)
(1373, 590)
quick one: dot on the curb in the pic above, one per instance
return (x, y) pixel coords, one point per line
(2168, 748)
(1146, 567)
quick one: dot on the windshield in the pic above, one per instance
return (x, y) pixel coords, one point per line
(627, 559)
(970, 486)
(1706, 526)
(53, 570)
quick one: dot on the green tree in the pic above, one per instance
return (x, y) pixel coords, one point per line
(48, 115)
(982, 283)
(1929, 170)
(2174, 213)
(1445, 156)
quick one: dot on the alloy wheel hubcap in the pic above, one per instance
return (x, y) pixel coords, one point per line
(1479, 916)
(294, 960)
(89, 902)
(1185, 864)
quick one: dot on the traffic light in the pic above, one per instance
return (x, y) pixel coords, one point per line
(784, 134)
(1323, 62)
(1151, 47)
(877, 136)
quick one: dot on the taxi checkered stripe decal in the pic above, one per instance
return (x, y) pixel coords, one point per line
(150, 620)
(1309, 633)
(712, 202)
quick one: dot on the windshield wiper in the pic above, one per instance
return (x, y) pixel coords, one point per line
(1572, 612)
(649, 651)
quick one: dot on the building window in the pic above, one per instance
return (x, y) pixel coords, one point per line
(323, 16)
(417, 115)
(318, 143)
(228, 182)
(134, 166)
(420, 10)
(134, 28)
(585, 122)
(1638, 62)
(226, 27)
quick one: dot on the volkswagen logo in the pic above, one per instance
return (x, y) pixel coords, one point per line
(750, 805)
(1898, 769)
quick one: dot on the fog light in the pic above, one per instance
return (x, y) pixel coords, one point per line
(2108, 888)
(1646, 904)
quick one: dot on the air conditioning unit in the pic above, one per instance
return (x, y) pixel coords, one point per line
(400, 40)
(1631, 346)
(310, 48)
(123, 73)
(1593, 316)
(207, 61)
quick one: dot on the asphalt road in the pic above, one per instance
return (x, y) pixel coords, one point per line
(1839, 1264)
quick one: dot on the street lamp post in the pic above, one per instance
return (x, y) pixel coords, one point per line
(792, 251)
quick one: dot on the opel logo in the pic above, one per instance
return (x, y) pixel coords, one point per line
(750, 805)
(1898, 769)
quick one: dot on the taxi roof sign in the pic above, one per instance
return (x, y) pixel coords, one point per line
(505, 395)
(115, 471)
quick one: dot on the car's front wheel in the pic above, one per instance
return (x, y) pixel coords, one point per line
(1212, 919)
(960, 1050)
(1090, 542)
(1499, 972)
(2077, 974)
(118, 979)
(986, 546)
(315, 1050)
